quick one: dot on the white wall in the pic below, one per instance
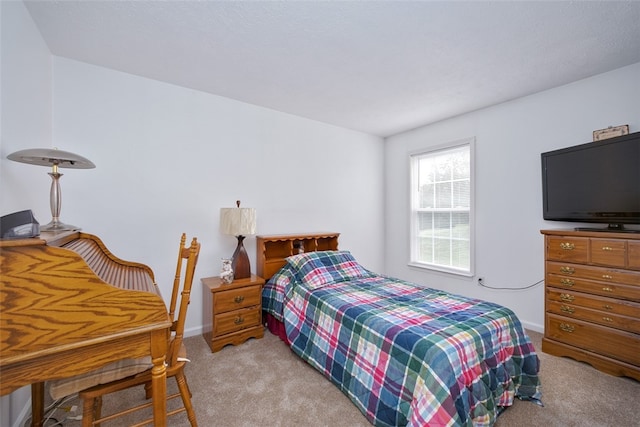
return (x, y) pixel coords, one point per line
(509, 140)
(168, 158)
(25, 122)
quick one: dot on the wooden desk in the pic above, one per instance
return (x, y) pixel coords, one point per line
(58, 319)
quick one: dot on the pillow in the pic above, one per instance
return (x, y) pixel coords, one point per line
(316, 269)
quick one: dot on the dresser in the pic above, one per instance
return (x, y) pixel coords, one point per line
(232, 312)
(592, 299)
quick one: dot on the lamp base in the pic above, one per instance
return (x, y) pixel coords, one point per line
(240, 263)
(56, 226)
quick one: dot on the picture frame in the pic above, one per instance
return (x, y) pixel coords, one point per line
(610, 132)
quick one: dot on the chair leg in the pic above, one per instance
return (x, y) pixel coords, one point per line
(185, 393)
(148, 392)
(88, 407)
(97, 409)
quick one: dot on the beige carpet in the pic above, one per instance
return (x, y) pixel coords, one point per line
(263, 383)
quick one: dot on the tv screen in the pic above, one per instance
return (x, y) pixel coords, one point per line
(597, 182)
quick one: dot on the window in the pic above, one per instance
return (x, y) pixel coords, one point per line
(441, 208)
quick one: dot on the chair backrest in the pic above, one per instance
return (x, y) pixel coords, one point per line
(181, 287)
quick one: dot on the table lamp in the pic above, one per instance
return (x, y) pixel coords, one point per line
(56, 159)
(239, 222)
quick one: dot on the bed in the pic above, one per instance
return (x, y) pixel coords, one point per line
(404, 354)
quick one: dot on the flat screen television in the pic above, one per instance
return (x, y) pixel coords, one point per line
(597, 182)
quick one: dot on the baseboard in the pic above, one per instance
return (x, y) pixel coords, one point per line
(534, 327)
(192, 332)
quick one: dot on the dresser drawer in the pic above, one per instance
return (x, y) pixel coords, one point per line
(605, 305)
(602, 274)
(608, 342)
(571, 249)
(604, 318)
(633, 255)
(234, 299)
(232, 321)
(609, 252)
(606, 289)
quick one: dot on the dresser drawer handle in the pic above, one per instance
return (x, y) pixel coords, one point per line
(567, 270)
(607, 276)
(607, 307)
(607, 248)
(238, 299)
(239, 320)
(567, 246)
(607, 319)
(567, 282)
(567, 309)
(607, 289)
(567, 297)
(567, 328)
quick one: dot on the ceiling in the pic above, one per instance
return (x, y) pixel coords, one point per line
(379, 67)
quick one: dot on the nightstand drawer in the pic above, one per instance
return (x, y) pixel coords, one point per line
(232, 321)
(234, 299)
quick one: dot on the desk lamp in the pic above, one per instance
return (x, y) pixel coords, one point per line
(239, 222)
(56, 159)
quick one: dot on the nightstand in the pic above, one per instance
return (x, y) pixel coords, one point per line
(231, 312)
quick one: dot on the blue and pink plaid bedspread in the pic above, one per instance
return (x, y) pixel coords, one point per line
(404, 354)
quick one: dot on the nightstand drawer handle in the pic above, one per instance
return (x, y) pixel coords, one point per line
(238, 299)
(607, 289)
(567, 328)
(567, 282)
(607, 319)
(607, 276)
(239, 320)
(607, 248)
(567, 309)
(567, 270)
(567, 246)
(607, 307)
(567, 297)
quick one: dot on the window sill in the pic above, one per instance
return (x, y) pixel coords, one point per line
(434, 268)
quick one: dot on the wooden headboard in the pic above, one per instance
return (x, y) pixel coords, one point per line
(271, 250)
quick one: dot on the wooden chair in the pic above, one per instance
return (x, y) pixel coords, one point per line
(176, 356)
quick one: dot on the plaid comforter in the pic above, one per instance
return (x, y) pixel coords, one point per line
(404, 354)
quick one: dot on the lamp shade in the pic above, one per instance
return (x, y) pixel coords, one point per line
(50, 157)
(238, 221)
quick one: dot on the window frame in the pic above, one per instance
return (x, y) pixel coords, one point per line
(413, 200)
